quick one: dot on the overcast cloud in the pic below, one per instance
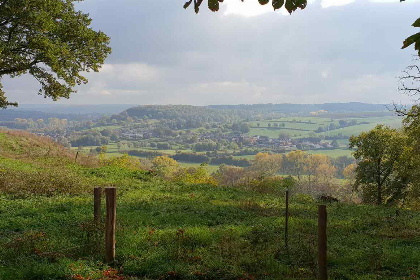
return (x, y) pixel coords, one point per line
(333, 51)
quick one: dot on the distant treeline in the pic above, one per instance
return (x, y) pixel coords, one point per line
(195, 158)
(138, 153)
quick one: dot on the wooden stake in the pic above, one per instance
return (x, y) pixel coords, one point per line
(97, 193)
(286, 229)
(322, 242)
(111, 212)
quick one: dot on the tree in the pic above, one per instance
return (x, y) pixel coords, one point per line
(296, 162)
(284, 136)
(379, 172)
(293, 5)
(230, 175)
(165, 166)
(265, 165)
(335, 144)
(317, 165)
(51, 41)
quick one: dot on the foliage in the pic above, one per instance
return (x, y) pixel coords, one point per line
(193, 175)
(51, 41)
(170, 230)
(290, 5)
(230, 175)
(413, 39)
(296, 160)
(265, 165)
(191, 157)
(380, 170)
(124, 162)
(165, 166)
(230, 160)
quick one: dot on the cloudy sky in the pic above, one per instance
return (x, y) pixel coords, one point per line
(332, 51)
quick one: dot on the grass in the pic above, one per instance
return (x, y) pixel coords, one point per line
(302, 128)
(210, 167)
(183, 231)
(203, 232)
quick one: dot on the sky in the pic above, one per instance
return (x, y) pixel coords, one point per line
(332, 51)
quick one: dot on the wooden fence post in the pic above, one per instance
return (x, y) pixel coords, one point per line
(111, 212)
(322, 242)
(286, 228)
(97, 193)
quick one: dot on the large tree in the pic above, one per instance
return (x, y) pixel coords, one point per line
(51, 41)
(293, 5)
(382, 171)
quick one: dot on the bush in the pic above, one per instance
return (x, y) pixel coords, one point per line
(43, 182)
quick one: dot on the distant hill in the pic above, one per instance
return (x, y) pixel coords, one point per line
(308, 108)
(222, 113)
(69, 112)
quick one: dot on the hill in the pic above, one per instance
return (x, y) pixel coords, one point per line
(308, 108)
(169, 230)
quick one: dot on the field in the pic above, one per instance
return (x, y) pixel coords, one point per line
(300, 127)
(296, 127)
(171, 230)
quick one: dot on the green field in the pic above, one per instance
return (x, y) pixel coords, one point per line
(301, 128)
(169, 230)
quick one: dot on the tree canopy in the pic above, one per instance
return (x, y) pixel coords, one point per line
(382, 164)
(51, 41)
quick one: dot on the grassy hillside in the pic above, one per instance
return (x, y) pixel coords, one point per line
(180, 231)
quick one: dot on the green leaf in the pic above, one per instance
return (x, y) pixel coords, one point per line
(197, 4)
(263, 2)
(290, 6)
(213, 5)
(416, 23)
(301, 4)
(187, 4)
(410, 40)
(277, 4)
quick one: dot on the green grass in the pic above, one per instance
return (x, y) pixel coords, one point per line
(204, 232)
(210, 167)
(171, 230)
(303, 128)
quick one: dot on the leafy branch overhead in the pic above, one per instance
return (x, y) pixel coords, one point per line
(51, 41)
(290, 5)
(413, 39)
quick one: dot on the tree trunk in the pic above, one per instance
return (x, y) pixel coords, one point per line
(379, 198)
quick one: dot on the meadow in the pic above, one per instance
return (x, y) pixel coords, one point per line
(169, 230)
(300, 127)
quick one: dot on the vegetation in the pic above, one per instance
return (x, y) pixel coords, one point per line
(186, 228)
(380, 167)
(52, 42)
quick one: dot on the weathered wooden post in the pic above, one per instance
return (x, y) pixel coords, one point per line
(97, 193)
(111, 213)
(286, 228)
(322, 242)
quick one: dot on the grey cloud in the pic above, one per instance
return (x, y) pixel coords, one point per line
(347, 53)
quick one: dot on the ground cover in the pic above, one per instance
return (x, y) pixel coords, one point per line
(169, 230)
